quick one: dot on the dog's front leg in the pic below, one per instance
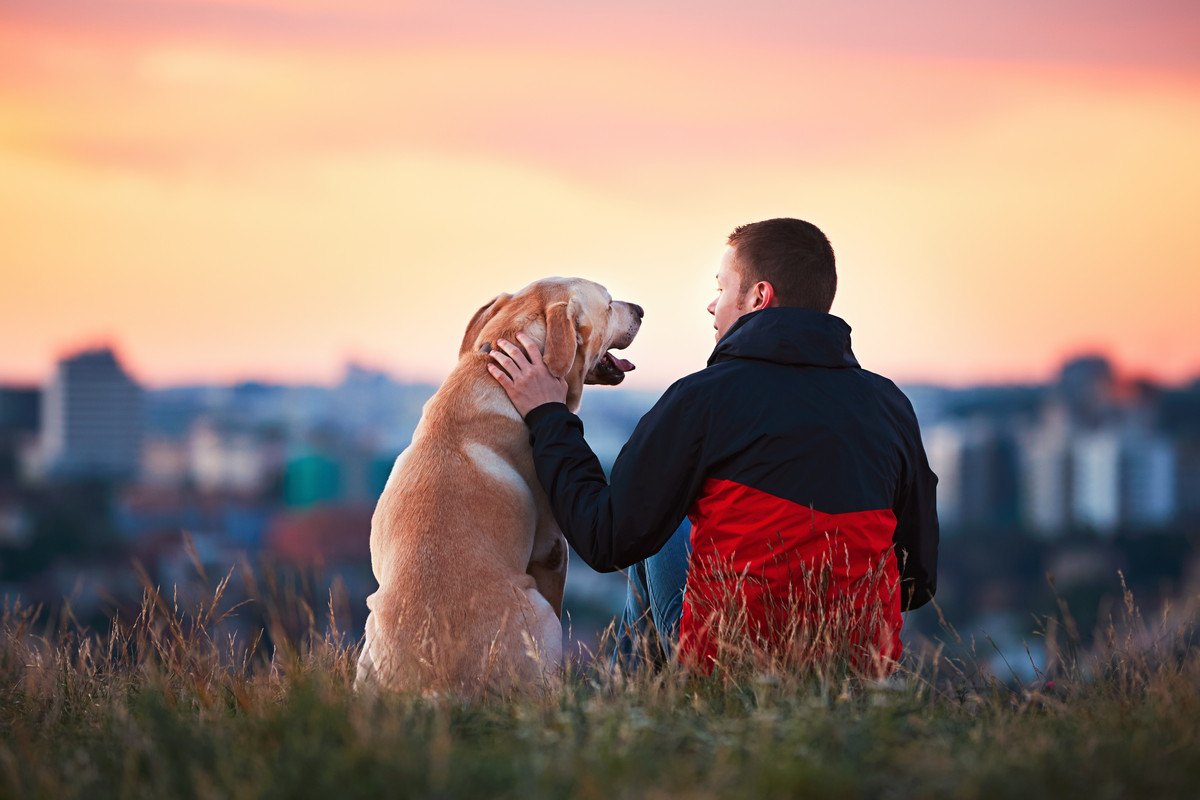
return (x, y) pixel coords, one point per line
(548, 566)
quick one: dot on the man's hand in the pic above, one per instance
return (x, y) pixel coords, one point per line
(525, 379)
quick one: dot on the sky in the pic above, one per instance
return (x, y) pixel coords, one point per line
(235, 189)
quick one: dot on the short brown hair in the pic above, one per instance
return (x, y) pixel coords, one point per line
(790, 254)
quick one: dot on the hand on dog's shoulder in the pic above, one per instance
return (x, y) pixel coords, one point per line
(522, 373)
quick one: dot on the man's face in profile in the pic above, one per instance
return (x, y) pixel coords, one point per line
(729, 304)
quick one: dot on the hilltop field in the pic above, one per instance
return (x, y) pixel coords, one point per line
(165, 705)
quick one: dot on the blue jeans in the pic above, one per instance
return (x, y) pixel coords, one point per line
(649, 629)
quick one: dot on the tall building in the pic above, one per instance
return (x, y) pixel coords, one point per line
(976, 465)
(91, 418)
(1187, 482)
(1087, 387)
(1047, 476)
(1096, 462)
(1124, 476)
(18, 427)
(1149, 480)
(944, 448)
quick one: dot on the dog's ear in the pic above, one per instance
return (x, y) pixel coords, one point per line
(481, 318)
(561, 342)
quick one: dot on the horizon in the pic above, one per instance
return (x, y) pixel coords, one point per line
(266, 188)
(1125, 375)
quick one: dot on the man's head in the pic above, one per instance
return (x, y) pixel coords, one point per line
(776, 262)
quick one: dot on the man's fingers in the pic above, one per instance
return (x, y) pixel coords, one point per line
(507, 363)
(514, 352)
(531, 347)
(500, 375)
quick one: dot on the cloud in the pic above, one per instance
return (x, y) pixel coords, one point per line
(1157, 32)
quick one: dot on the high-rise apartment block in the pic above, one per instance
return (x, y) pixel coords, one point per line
(976, 464)
(92, 418)
(1047, 477)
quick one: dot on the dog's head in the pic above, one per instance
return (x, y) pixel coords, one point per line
(577, 322)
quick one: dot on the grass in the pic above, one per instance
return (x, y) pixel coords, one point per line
(170, 704)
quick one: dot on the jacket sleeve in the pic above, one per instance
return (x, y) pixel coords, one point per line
(654, 479)
(917, 530)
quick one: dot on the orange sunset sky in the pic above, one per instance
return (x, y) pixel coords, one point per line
(228, 189)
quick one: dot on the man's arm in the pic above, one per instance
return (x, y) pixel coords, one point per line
(654, 479)
(917, 530)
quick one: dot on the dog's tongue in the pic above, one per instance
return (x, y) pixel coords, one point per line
(619, 363)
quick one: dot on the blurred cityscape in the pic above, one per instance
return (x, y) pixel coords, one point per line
(98, 473)
(1079, 478)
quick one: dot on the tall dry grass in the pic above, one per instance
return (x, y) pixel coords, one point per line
(176, 701)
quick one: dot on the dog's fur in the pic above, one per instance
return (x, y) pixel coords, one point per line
(470, 562)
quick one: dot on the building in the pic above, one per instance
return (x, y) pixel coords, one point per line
(943, 447)
(1149, 480)
(235, 457)
(325, 472)
(19, 409)
(1047, 475)
(1124, 477)
(1187, 481)
(1096, 491)
(976, 464)
(92, 417)
(19, 412)
(165, 461)
(1087, 388)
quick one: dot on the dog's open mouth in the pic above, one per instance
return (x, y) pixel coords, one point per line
(609, 371)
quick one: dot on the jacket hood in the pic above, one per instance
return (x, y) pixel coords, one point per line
(797, 336)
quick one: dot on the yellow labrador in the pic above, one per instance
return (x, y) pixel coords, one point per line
(470, 562)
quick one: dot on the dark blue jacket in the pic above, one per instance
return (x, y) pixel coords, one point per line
(782, 420)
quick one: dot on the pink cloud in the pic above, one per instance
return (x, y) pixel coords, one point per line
(1154, 32)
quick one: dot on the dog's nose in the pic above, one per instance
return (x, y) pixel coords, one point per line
(637, 310)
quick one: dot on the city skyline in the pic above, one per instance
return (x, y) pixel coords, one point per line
(1089, 451)
(1124, 374)
(265, 188)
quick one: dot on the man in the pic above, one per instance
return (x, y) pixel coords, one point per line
(811, 502)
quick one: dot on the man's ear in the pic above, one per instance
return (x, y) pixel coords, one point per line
(561, 344)
(481, 318)
(762, 295)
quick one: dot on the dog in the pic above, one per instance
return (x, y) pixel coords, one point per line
(470, 562)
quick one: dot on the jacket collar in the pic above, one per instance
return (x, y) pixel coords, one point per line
(797, 336)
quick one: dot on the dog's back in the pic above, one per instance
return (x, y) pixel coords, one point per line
(451, 540)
